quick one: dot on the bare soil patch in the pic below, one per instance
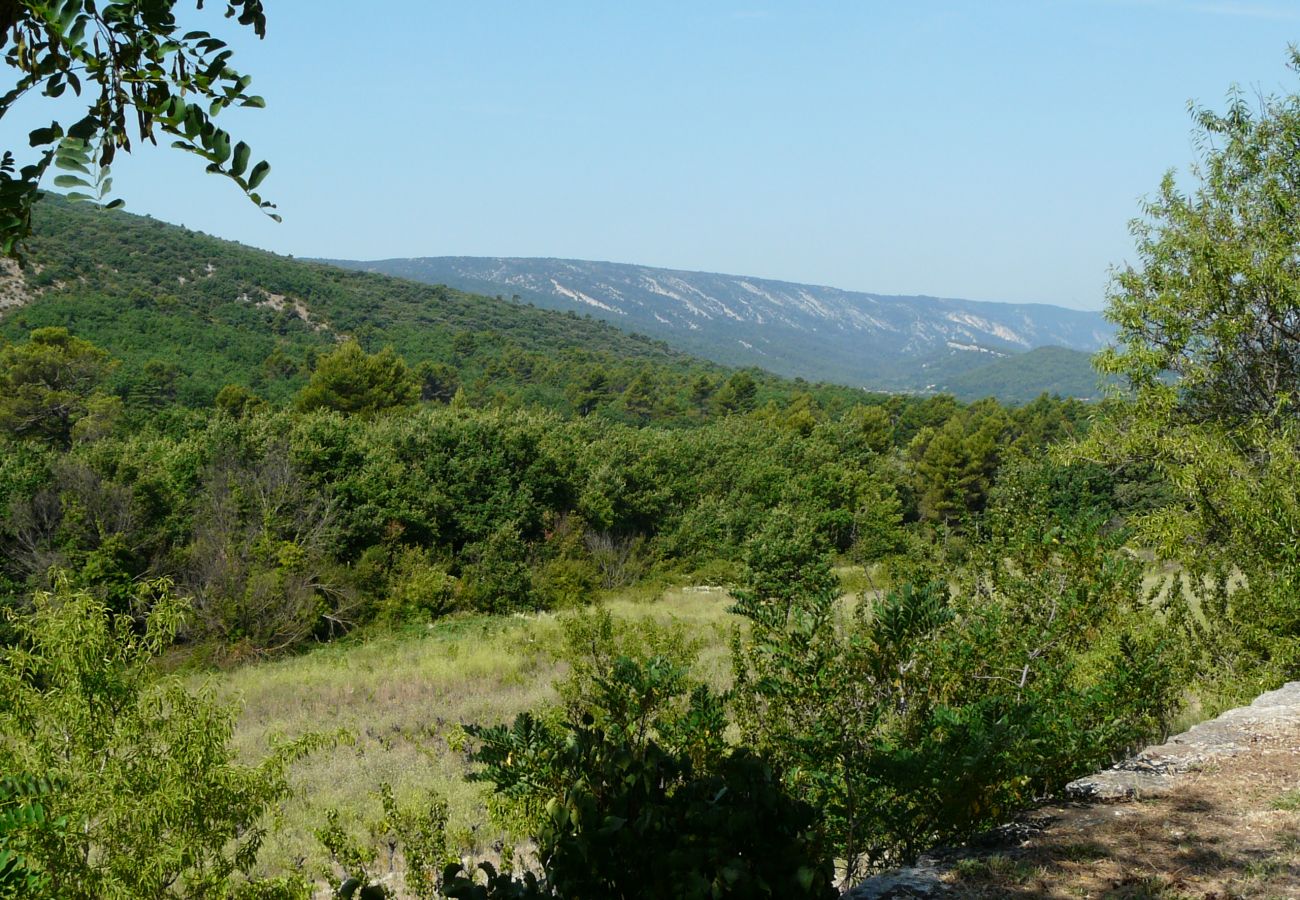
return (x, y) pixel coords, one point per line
(1229, 830)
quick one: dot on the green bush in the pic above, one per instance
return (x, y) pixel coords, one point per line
(419, 591)
(633, 791)
(143, 795)
(936, 711)
(497, 578)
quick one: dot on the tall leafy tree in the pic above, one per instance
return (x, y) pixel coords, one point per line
(350, 380)
(142, 794)
(1209, 345)
(955, 464)
(590, 390)
(640, 397)
(49, 384)
(737, 395)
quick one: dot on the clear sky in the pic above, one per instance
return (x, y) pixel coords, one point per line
(971, 148)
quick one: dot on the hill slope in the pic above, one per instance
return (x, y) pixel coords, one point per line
(1021, 377)
(187, 313)
(879, 341)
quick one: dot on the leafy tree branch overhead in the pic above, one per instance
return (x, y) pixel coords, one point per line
(141, 75)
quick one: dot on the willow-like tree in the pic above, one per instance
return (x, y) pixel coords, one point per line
(1209, 345)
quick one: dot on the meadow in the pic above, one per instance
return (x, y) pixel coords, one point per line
(399, 698)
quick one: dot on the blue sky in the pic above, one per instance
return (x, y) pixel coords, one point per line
(991, 150)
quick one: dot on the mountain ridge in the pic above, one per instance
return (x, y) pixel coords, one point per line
(880, 341)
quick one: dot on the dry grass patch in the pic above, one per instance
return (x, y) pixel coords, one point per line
(401, 698)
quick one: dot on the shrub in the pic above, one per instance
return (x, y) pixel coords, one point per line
(143, 796)
(935, 711)
(630, 806)
(497, 578)
(420, 589)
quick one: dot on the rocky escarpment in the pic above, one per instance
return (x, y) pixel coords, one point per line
(1211, 812)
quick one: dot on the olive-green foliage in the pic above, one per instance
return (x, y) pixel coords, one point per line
(144, 796)
(236, 400)
(286, 525)
(631, 789)
(955, 464)
(1209, 346)
(566, 571)
(439, 382)
(737, 394)
(258, 566)
(1212, 299)
(50, 385)
(932, 712)
(22, 810)
(414, 835)
(226, 314)
(349, 380)
(497, 578)
(593, 643)
(418, 589)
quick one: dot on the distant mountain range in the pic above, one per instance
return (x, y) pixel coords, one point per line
(971, 348)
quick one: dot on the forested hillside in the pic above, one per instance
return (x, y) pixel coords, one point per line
(186, 314)
(190, 471)
(1021, 377)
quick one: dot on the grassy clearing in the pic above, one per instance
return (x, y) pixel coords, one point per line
(402, 697)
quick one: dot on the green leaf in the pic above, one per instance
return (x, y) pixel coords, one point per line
(84, 130)
(78, 31)
(240, 161)
(72, 164)
(259, 173)
(193, 122)
(49, 135)
(71, 181)
(221, 145)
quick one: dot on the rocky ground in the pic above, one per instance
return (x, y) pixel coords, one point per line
(1212, 813)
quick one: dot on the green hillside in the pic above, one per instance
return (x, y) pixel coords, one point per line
(1024, 376)
(187, 313)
